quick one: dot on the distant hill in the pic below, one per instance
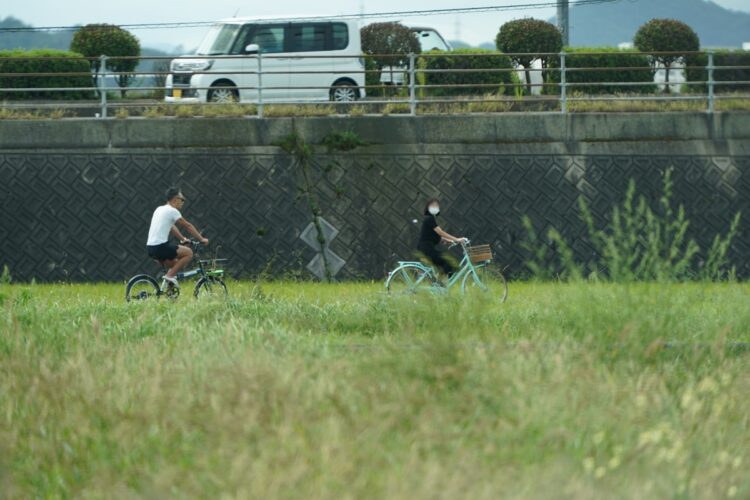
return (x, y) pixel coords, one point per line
(614, 23)
(32, 39)
(58, 40)
(458, 44)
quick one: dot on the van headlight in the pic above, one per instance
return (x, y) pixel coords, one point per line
(178, 65)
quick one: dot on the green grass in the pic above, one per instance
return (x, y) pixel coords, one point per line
(339, 391)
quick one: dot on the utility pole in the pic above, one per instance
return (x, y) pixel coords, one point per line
(563, 21)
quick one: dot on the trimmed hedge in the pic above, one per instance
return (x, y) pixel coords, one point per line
(603, 57)
(469, 59)
(721, 58)
(21, 61)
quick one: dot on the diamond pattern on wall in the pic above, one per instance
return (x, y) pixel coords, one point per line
(85, 216)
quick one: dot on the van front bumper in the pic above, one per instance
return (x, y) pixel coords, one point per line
(179, 88)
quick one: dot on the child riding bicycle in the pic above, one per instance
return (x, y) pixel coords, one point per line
(432, 234)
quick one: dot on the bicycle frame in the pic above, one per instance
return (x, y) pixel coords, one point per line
(465, 267)
(208, 277)
(202, 271)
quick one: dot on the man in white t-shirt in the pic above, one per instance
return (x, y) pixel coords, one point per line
(164, 222)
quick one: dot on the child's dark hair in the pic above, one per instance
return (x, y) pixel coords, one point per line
(172, 192)
(427, 205)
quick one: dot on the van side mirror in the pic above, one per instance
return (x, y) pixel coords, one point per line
(253, 48)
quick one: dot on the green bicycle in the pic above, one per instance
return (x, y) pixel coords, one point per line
(475, 274)
(210, 282)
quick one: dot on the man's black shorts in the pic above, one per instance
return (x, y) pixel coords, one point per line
(165, 251)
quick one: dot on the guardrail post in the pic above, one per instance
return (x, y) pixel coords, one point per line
(710, 68)
(412, 85)
(260, 86)
(102, 86)
(563, 85)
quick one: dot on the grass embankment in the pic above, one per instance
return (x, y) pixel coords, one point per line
(124, 109)
(338, 391)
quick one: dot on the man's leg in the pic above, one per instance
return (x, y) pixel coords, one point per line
(184, 256)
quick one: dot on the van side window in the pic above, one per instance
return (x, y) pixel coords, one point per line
(269, 38)
(309, 38)
(340, 36)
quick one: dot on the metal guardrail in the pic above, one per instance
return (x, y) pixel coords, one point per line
(413, 93)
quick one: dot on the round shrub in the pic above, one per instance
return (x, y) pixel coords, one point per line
(525, 39)
(667, 35)
(95, 40)
(70, 71)
(389, 44)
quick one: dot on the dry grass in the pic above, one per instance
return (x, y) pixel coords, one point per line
(21, 114)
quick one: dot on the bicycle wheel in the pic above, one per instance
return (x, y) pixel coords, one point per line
(210, 286)
(489, 280)
(408, 279)
(141, 287)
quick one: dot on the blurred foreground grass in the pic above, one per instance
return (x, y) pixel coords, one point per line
(339, 391)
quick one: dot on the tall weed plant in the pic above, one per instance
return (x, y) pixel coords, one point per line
(638, 243)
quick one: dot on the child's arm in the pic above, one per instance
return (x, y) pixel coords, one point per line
(448, 237)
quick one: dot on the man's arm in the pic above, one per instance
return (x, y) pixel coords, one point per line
(191, 229)
(177, 234)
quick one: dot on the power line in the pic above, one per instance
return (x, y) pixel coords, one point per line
(376, 15)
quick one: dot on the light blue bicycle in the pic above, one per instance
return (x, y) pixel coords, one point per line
(475, 274)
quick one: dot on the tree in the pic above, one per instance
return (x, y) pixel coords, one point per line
(389, 44)
(526, 39)
(667, 35)
(95, 40)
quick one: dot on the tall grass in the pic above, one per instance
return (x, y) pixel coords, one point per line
(637, 243)
(339, 391)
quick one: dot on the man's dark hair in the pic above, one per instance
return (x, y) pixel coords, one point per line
(427, 205)
(172, 192)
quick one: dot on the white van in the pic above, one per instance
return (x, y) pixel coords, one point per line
(300, 61)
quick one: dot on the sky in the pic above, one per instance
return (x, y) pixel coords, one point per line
(471, 28)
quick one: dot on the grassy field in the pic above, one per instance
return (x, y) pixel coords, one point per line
(339, 391)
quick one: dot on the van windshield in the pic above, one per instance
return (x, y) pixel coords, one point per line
(218, 40)
(431, 40)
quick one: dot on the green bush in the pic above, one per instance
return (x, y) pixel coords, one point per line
(526, 39)
(95, 40)
(488, 82)
(603, 57)
(70, 70)
(667, 35)
(389, 44)
(697, 73)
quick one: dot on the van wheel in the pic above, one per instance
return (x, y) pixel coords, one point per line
(344, 92)
(223, 94)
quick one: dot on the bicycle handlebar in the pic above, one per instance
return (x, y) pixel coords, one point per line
(464, 243)
(193, 243)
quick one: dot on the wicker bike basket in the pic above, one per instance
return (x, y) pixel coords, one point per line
(479, 253)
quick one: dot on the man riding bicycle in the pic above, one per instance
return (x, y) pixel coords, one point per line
(165, 220)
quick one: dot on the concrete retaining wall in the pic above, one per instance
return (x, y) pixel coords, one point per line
(77, 194)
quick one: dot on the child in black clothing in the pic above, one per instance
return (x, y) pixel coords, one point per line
(432, 234)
